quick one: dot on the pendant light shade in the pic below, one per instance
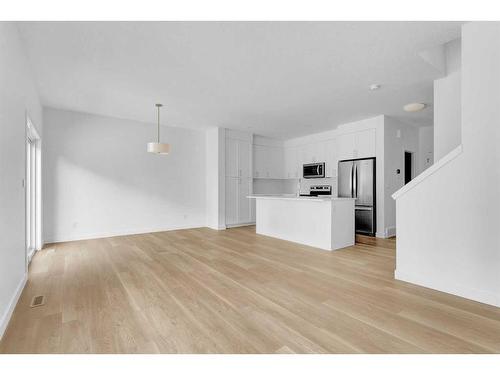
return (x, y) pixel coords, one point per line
(157, 147)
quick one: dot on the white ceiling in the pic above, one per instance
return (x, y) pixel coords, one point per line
(281, 79)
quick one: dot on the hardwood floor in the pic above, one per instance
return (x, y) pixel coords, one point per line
(205, 291)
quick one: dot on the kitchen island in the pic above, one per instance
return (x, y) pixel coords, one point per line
(323, 222)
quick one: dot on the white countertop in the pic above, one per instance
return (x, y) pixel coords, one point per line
(296, 198)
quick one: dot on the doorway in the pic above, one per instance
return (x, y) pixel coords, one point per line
(408, 166)
(33, 191)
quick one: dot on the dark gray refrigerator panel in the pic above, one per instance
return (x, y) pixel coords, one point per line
(365, 220)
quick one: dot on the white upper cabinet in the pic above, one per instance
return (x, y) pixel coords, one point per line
(291, 162)
(259, 161)
(268, 162)
(319, 152)
(331, 158)
(356, 145)
(312, 152)
(346, 146)
(366, 143)
(276, 162)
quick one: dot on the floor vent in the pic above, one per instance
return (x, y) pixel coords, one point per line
(37, 301)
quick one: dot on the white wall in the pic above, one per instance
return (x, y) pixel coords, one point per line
(215, 178)
(17, 96)
(100, 181)
(448, 224)
(426, 147)
(447, 106)
(398, 138)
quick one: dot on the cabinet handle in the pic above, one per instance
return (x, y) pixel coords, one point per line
(239, 172)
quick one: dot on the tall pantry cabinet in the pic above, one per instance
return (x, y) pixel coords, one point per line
(238, 156)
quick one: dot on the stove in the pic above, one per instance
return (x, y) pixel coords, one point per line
(318, 190)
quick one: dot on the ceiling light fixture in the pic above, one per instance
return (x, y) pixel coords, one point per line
(414, 107)
(374, 87)
(157, 147)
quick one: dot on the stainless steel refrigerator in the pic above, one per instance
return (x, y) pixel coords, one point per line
(356, 179)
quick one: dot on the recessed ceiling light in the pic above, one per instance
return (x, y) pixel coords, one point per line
(374, 87)
(414, 107)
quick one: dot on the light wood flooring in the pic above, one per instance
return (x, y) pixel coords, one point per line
(205, 291)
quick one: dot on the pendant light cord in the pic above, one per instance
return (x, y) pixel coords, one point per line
(158, 123)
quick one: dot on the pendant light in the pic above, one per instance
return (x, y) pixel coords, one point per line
(157, 147)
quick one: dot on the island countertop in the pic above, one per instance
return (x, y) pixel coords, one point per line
(298, 198)
(324, 222)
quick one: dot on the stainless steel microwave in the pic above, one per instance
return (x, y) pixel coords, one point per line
(313, 170)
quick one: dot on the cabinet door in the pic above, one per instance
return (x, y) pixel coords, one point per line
(366, 143)
(231, 157)
(232, 197)
(259, 161)
(303, 155)
(345, 146)
(331, 158)
(319, 152)
(291, 162)
(244, 203)
(275, 162)
(244, 159)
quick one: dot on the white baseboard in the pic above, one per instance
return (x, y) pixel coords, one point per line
(91, 236)
(240, 225)
(450, 287)
(387, 233)
(4, 321)
(216, 227)
(390, 232)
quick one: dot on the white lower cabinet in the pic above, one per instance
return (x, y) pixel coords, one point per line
(239, 208)
(232, 199)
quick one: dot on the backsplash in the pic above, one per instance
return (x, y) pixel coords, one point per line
(290, 186)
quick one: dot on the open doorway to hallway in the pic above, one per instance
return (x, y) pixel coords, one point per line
(408, 166)
(33, 190)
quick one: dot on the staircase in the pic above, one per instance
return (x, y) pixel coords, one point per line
(448, 217)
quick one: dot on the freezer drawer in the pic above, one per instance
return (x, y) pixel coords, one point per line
(365, 220)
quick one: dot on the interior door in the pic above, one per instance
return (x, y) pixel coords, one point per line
(344, 179)
(363, 181)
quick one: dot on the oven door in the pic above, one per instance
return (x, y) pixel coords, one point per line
(314, 170)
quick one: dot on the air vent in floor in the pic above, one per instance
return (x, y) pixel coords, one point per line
(37, 301)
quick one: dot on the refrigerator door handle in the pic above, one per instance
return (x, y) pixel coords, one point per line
(350, 180)
(355, 177)
(361, 208)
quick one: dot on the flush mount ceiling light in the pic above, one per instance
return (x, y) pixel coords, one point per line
(374, 87)
(157, 147)
(414, 107)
